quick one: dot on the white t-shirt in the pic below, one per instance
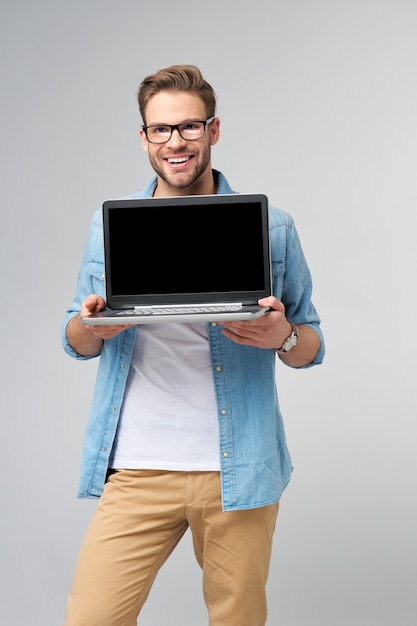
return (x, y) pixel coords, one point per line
(169, 414)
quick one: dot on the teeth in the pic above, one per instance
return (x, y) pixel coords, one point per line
(178, 159)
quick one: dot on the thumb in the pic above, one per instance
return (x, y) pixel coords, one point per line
(273, 303)
(94, 303)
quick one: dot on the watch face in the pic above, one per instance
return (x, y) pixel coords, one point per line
(290, 343)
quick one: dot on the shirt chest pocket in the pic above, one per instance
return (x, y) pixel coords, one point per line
(277, 269)
(95, 271)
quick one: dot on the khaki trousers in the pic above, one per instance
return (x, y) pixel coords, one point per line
(140, 518)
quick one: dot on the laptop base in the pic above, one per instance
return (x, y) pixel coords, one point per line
(129, 317)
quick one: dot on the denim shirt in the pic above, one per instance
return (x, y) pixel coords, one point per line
(255, 462)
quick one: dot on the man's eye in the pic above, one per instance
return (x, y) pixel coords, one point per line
(161, 130)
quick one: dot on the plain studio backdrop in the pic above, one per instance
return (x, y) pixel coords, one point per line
(318, 105)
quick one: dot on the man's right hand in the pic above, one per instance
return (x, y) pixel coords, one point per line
(88, 340)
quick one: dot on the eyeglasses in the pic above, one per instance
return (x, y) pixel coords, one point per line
(190, 131)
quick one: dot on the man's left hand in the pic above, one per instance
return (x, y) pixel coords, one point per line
(269, 331)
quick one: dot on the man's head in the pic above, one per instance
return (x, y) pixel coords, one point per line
(178, 110)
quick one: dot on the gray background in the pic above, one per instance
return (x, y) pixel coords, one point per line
(318, 103)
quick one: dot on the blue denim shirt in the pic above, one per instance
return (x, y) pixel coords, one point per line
(255, 462)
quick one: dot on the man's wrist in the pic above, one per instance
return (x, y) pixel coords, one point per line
(291, 341)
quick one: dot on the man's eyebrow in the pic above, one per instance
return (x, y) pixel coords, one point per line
(194, 119)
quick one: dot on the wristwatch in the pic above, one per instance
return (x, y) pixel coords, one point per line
(290, 342)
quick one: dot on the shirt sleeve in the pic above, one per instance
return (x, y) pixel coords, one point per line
(90, 280)
(293, 282)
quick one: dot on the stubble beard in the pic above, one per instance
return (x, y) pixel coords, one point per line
(182, 180)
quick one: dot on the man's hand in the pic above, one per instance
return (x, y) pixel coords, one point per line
(88, 340)
(271, 331)
(93, 304)
(268, 331)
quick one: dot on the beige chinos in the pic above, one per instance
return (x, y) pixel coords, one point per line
(139, 520)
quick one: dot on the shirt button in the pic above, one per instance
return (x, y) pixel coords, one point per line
(102, 277)
(223, 411)
(225, 454)
(218, 368)
(214, 324)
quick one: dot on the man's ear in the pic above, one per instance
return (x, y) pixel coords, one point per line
(144, 140)
(214, 131)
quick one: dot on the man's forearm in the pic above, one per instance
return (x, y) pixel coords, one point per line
(81, 338)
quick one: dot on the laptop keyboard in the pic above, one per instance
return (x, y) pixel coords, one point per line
(212, 308)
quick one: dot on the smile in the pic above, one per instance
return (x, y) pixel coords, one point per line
(182, 159)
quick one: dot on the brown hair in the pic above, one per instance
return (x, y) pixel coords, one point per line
(176, 78)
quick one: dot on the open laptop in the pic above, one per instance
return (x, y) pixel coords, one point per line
(185, 259)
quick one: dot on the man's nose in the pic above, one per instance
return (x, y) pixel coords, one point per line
(176, 138)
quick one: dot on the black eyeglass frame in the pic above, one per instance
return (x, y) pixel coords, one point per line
(177, 127)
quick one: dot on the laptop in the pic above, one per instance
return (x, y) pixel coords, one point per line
(185, 259)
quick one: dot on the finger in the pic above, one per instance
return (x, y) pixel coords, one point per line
(272, 302)
(94, 303)
(234, 336)
(252, 325)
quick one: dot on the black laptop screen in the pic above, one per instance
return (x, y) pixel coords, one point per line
(156, 251)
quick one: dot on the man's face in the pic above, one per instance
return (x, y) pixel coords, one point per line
(183, 167)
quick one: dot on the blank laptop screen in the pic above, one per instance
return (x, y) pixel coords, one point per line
(158, 251)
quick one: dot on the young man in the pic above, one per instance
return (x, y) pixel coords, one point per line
(185, 429)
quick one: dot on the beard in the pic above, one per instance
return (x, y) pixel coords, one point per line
(182, 180)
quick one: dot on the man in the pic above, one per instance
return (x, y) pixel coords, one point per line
(185, 429)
